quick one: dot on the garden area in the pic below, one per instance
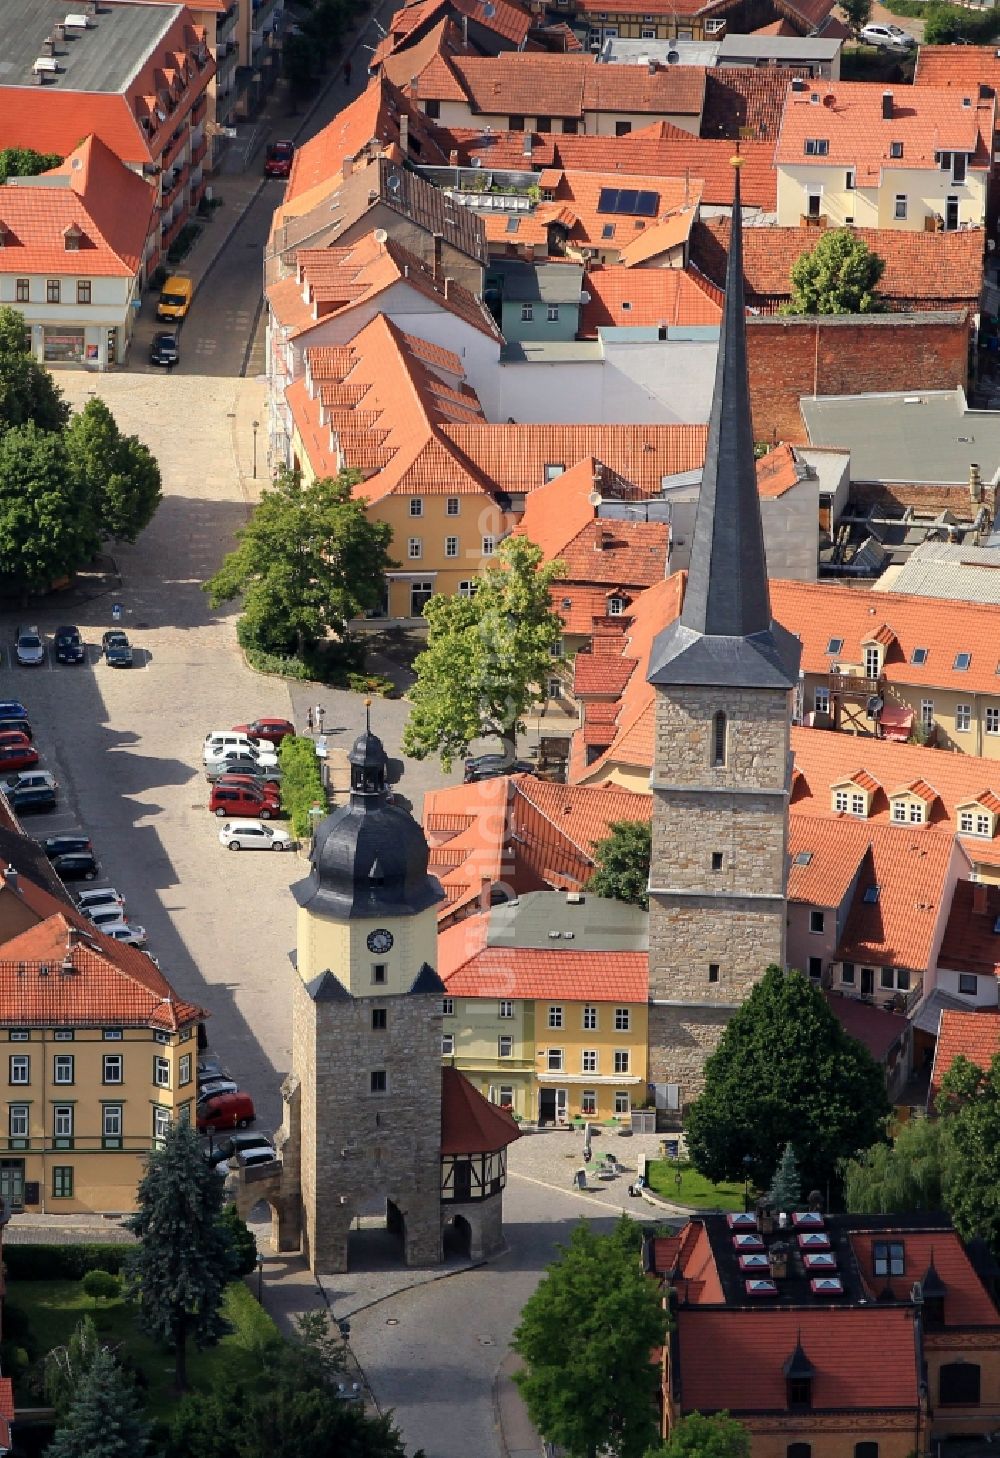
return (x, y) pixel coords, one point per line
(679, 1182)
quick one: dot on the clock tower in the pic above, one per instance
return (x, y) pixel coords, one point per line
(364, 1093)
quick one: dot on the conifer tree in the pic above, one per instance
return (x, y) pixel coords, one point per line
(104, 1420)
(786, 1187)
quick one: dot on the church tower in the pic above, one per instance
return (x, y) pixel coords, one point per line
(723, 675)
(366, 1025)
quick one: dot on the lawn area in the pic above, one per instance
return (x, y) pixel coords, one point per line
(53, 1309)
(693, 1189)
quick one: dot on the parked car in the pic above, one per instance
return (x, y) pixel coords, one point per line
(17, 726)
(164, 349)
(12, 709)
(175, 297)
(250, 1158)
(17, 756)
(242, 1142)
(225, 1111)
(31, 780)
(267, 788)
(278, 159)
(241, 800)
(61, 845)
(218, 741)
(489, 766)
(29, 650)
(108, 914)
(32, 799)
(76, 866)
(235, 763)
(69, 646)
(210, 1065)
(99, 896)
(116, 648)
(887, 37)
(213, 1086)
(274, 730)
(128, 932)
(252, 835)
(15, 737)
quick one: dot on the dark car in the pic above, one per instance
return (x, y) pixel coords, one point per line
(32, 799)
(116, 648)
(489, 766)
(69, 646)
(61, 845)
(76, 866)
(17, 726)
(164, 349)
(239, 1142)
(278, 159)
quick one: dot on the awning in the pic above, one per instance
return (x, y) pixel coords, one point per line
(897, 723)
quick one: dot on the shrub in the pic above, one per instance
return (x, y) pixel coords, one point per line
(302, 784)
(101, 1285)
(243, 1242)
(61, 1262)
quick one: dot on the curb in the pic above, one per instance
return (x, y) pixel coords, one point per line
(441, 1276)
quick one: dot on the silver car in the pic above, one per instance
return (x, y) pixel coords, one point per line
(29, 650)
(33, 779)
(103, 896)
(127, 932)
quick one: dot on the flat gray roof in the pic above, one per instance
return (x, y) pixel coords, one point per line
(951, 570)
(542, 351)
(778, 47)
(914, 437)
(624, 51)
(595, 924)
(104, 57)
(552, 283)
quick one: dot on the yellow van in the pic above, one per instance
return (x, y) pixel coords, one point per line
(175, 297)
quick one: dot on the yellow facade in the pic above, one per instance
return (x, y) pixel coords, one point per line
(84, 1108)
(904, 199)
(963, 721)
(551, 1060)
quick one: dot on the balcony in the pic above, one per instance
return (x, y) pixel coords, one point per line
(850, 685)
(199, 152)
(225, 25)
(814, 220)
(199, 109)
(174, 148)
(172, 193)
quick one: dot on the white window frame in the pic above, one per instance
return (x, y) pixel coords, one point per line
(590, 1017)
(899, 812)
(588, 1102)
(19, 1075)
(963, 718)
(451, 546)
(62, 1065)
(113, 1114)
(505, 1045)
(623, 1103)
(589, 1060)
(927, 713)
(489, 545)
(993, 720)
(415, 548)
(108, 1063)
(161, 1072)
(416, 506)
(821, 700)
(873, 660)
(859, 806)
(841, 802)
(623, 1020)
(555, 1060)
(900, 207)
(18, 1121)
(505, 1008)
(452, 506)
(161, 1122)
(447, 1007)
(623, 1060)
(917, 812)
(63, 1121)
(555, 1016)
(447, 1044)
(527, 313)
(552, 314)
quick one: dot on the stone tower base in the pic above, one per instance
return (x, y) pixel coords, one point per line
(680, 1041)
(483, 1225)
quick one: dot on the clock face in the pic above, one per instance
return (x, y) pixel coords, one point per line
(380, 940)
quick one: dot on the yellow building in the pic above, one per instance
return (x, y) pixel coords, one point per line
(546, 1005)
(855, 153)
(101, 1056)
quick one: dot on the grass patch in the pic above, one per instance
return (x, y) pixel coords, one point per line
(53, 1308)
(692, 1189)
(866, 63)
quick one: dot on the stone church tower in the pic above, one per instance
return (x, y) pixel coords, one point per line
(364, 1093)
(724, 674)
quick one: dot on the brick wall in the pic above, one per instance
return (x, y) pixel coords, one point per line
(923, 497)
(856, 355)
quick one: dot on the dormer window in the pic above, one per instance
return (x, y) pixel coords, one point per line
(799, 1373)
(71, 239)
(976, 819)
(895, 149)
(888, 1258)
(873, 660)
(616, 606)
(817, 146)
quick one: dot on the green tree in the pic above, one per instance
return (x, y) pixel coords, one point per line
(487, 658)
(970, 1171)
(585, 1336)
(696, 1436)
(180, 1268)
(786, 1187)
(838, 276)
(101, 1286)
(623, 859)
(242, 1242)
(785, 1070)
(904, 1175)
(24, 162)
(858, 13)
(27, 390)
(308, 561)
(64, 1368)
(45, 522)
(119, 473)
(104, 1419)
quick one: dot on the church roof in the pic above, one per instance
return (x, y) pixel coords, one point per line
(470, 1124)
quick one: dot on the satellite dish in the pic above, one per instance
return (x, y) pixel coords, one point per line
(595, 498)
(381, 236)
(393, 183)
(585, 297)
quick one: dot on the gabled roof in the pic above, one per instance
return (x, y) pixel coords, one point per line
(557, 510)
(741, 99)
(974, 1035)
(577, 202)
(470, 1124)
(565, 86)
(824, 856)
(670, 232)
(429, 56)
(108, 206)
(971, 942)
(911, 871)
(966, 1303)
(964, 69)
(507, 21)
(529, 972)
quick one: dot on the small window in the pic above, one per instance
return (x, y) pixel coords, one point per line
(623, 1019)
(901, 206)
(888, 1258)
(590, 1018)
(588, 1060)
(113, 1064)
(859, 805)
(552, 313)
(467, 588)
(161, 1072)
(962, 661)
(719, 739)
(379, 973)
(968, 984)
(112, 1035)
(821, 700)
(871, 895)
(447, 1044)
(20, 1069)
(555, 1060)
(62, 1121)
(927, 713)
(111, 1121)
(866, 1450)
(817, 921)
(506, 1096)
(993, 721)
(963, 718)
(555, 1017)
(958, 167)
(713, 971)
(378, 1081)
(452, 506)
(588, 1102)
(817, 146)
(505, 1046)
(62, 1182)
(432, 108)
(512, 226)
(515, 123)
(815, 968)
(63, 1035)
(379, 1020)
(919, 657)
(608, 230)
(22, 294)
(798, 1450)
(447, 1007)
(899, 811)
(895, 149)
(847, 973)
(62, 1071)
(835, 646)
(616, 607)
(505, 1009)
(623, 1103)
(83, 291)
(53, 291)
(416, 506)
(184, 1069)
(19, 1035)
(849, 180)
(17, 1121)
(716, 860)
(451, 546)
(161, 1123)
(543, 124)
(414, 548)
(622, 1060)
(527, 313)
(959, 1384)
(489, 546)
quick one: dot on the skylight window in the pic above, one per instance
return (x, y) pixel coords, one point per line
(919, 656)
(803, 858)
(835, 645)
(962, 661)
(608, 231)
(513, 224)
(817, 146)
(871, 895)
(895, 149)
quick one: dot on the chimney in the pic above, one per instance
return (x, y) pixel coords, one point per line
(438, 244)
(886, 105)
(798, 83)
(404, 133)
(485, 894)
(10, 878)
(980, 899)
(347, 167)
(453, 158)
(975, 482)
(602, 540)
(465, 30)
(38, 78)
(528, 145)
(653, 68)
(48, 47)
(446, 284)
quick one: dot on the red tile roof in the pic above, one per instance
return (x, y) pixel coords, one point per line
(965, 69)
(835, 847)
(922, 270)
(970, 942)
(747, 97)
(880, 1030)
(515, 456)
(965, 1301)
(777, 472)
(527, 972)
(733, 1359)
(470, 1124)
(565, 86)
(93, 193)
(558, 509)
(573, 199)
(911, 870)
(642, 298)
(974, 1035)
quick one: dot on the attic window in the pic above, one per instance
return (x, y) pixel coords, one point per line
(962, 661)
(817, 146)
(803, 858)
(71, 240)
(871, 895)
(835, 645)
(919, 657)
(895, 149)
(608, 230)
(616, 606)
(553, 469)
(626, 304)
(513, 224)
(888, 1258)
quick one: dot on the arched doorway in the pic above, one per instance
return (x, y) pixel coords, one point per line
(377, 1236)
(458, 1238)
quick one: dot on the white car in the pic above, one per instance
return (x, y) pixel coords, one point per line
(126, 931)
(219, 740)
(250, 1158)
(102, 896)
(254, 835)
(33, 779)
(887, 37)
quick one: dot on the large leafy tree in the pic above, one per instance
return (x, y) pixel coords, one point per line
(25, 162)
(697, 1436)
(586, 1337)
(487, 658)
(858, 13)
(46, 527)
(179, 1270)
(104, 1419)
(308, 561)
(904, 1175)
(119, 473)
(970, 1144)
(838, 276)
(27, 390)
(623, 859)
(785, 1072)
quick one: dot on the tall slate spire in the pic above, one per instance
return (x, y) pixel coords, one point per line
(725, 633)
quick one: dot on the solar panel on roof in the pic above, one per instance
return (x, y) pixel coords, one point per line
(632, 200)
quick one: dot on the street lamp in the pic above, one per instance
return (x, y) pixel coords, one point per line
(747, 1167)
(260, 1280)
(256, 427)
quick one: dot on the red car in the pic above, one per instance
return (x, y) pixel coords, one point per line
(278, 159)
(18, 756)
(225, 1111)
(238, 801)
(273, 730)
(268, 788)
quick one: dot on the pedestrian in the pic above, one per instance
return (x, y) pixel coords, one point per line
(309, 719)
(347, 73)
(320, 717)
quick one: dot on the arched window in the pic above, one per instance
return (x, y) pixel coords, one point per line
(719, 738)
(866, 1450)
(799, 1450)
(959, 1384)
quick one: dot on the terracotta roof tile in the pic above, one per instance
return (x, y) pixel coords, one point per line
(777, 472)
(644, 297)
(669, 233)
(970, 943)
(898, 928)
(576, 204)
(470, 1124)
(515, 456)
(835, 848)
(965, 1300)
(522, 972)
(556, 510)
(974, 1035)
(430, 58)
(879, 1029)
(597, 674)
(747, 98)
(567, 86)
(964, 69)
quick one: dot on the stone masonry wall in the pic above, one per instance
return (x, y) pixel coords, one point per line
(681, 1039)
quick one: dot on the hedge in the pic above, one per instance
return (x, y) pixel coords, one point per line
(302, 783)
(318, 668)
(62, 1262)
